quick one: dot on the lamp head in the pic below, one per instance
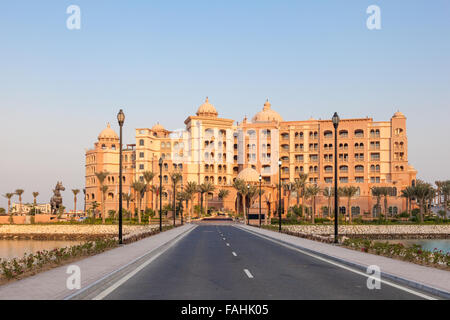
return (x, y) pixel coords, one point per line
(160, 161)
(335, 120)
(260, 178)
(121, 117)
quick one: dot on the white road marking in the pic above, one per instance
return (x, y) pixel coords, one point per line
(223, 238)
(234, 254)
(121, 281)
(248, 273)
(228, 244)
(345, 267)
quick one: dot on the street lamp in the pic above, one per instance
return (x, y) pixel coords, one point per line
(260, 180)
(245, 199)
(160, 193)
(335, 120)
(179, 206)
(121, 120)
(279, 195)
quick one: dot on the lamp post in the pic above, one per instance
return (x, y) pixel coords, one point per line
(121, 120)
(160, 193)
(179, 206)
(248, 209)
(335, 120)
(279, 195)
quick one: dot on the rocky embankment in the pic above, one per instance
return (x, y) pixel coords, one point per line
(324, 232)
(74, 232)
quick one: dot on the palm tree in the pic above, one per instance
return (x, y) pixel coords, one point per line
(19, 192)
(191, 189)
(9, 196)
(439, 185)
(422, 191)
(349, 192)
(445, 189)
(223, 193)
(329, 194)
(288, 187)
(138, 188)
(104, 190)
(311, 192)
(408, 194)
(183, 196)
(101, 176)
(127, 197)
(205, 187)
(377, 192)
(301, 186)
(176, 178)
(35, 195)
(239, 185)
(75, 192)
(94, 207)
(148, 178)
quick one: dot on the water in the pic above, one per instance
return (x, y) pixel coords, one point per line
(17, 248)
(427, 244)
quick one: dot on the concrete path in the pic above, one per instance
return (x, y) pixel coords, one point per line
(51, 284)
(428, 279)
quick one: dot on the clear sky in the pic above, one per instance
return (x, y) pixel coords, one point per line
(159, 59)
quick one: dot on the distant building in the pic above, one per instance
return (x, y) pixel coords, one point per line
(217, 150)
(26, 207)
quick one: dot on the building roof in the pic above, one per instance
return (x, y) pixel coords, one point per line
(398, 114)
(108, 133)
(267, 114)
(249, 175)
(158, 127)
(207, 110)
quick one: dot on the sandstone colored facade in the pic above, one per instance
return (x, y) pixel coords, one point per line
(219, 150)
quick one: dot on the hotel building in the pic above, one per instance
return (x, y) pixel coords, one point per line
(219, 150)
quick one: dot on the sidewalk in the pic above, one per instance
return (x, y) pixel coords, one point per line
(432, 280)
(51, 285)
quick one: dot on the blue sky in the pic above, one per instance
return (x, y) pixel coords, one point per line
(159, 59)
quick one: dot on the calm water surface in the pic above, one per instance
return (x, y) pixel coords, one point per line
(17, 248)
(427, 244)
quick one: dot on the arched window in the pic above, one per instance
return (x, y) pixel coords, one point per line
(328, 134)
(356, 211)
(343, 134)
(359, 133)
(343, 168)
(359, 168)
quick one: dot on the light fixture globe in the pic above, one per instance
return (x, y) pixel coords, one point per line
(335, 120)
(121, 117)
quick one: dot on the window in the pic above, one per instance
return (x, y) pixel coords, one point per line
(356, 211)
(343, 179)
(141, 167)
(328, 169)
(141, 142)
(141, 154)
(328, 134)
(359, 168)
(328, 180)
(343, 134)
(374, 156)
(359, 179)
(343, 168)
(359, 133)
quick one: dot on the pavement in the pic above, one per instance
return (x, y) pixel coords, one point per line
(227, 261)
(52, 284)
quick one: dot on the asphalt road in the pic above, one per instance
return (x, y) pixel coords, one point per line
(224, 262)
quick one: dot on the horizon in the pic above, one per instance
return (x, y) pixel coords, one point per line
(60, 87)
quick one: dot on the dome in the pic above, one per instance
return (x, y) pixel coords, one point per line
(267, 114)
(249, 175)
(158, 127)
(398, 114)
(207, 110)
(108, 133)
